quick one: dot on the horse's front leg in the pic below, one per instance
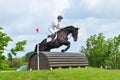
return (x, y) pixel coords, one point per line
(67, 43)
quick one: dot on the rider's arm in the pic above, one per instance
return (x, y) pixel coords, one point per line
(57, 26)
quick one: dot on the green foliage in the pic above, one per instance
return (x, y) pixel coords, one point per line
(27, 56)
(102, 51)
(16, 62)
(63, 74)
(4, 40)
(112, 54)
(2, 64)
(10, 57)
(19, 47)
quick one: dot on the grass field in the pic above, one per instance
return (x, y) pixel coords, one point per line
(63, 74)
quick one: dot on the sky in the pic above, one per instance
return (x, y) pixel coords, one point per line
(19, 18)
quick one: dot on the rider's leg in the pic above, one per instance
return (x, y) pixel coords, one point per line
(53, 34)
(51, 30)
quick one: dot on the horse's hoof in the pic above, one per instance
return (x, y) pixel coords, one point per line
(62, 50)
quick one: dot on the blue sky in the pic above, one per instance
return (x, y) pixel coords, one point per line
(19, 18)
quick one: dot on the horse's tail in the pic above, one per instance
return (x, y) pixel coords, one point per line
(35, 50)
(41, 46)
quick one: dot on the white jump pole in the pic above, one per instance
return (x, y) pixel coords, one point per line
(38, 63)
(38, 57)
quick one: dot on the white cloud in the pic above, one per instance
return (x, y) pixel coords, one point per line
(60, 6)
(91, 4)
(95, 8)
(20, 18)
(95, 16)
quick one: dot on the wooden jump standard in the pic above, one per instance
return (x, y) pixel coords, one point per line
(50, 60)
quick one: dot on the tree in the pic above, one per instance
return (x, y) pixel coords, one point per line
(16, 62)
(114, 51)
(18, 48)
(94, 50)
(101, 51)
(4, 40)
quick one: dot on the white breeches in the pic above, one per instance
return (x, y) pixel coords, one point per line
(52, 30)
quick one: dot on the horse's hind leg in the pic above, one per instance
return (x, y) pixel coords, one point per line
(67, 43)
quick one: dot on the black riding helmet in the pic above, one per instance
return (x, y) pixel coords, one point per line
(59, 17)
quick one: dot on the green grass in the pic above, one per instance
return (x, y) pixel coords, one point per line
(63, 74)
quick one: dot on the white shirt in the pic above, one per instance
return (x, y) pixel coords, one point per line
(54, 24)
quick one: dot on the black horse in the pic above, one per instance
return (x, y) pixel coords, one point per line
(62, 39)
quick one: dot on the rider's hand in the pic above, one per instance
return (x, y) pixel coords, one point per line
(57, 27)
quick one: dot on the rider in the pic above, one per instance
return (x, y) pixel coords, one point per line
(54, 26)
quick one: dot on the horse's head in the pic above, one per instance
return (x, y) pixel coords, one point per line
(73, 30)
(75, 33)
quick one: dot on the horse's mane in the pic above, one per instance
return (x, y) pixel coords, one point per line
(67, 27)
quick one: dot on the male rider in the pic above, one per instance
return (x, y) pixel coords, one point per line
(55, 25)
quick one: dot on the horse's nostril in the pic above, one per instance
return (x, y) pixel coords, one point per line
(75, 40)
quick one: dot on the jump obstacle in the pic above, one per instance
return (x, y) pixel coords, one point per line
(51, 60)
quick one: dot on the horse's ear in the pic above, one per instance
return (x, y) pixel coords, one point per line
(77, 28)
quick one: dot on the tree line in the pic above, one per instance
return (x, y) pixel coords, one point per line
(101, 51)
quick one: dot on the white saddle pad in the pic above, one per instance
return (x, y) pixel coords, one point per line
(50, 39)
